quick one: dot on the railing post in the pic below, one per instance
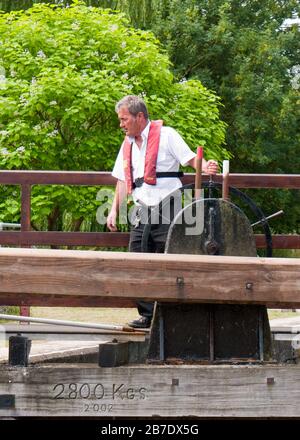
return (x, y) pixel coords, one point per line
(25, 207)
(25, 226)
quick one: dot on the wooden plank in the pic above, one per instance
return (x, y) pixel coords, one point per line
(40, 300)
(161, 277)
(82, 390)
(111, 239)
(288, 181)
(281, 241)
(36, 177)
(56, 238)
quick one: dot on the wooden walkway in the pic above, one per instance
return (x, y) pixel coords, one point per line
(81, 390)
(57, 343)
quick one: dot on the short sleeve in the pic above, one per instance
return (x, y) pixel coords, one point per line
(179, 148)
(118, 170)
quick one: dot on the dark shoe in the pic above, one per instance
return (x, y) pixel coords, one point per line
(142, 322)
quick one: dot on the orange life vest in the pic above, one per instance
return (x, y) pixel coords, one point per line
(150, 159)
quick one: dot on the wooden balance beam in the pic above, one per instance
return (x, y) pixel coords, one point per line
(89, 278)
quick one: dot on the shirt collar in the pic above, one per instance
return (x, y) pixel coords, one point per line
(144, 134)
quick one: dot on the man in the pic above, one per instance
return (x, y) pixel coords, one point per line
(147, 167)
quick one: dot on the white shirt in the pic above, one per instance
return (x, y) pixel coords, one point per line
(172, 152)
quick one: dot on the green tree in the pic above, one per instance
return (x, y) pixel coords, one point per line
(241, 50)
(62, 71)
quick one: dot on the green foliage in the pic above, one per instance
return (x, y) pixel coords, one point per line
(62, 71)
(242, 51)
(9, 310)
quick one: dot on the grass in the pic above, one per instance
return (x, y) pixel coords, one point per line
(274, 314)
(86, 314)
(83, 314)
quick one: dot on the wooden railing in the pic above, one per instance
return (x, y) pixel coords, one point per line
(27, 237)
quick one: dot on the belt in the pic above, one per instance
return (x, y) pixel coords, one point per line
(140, 180)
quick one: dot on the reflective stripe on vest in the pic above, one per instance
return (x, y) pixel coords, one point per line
(150, 159)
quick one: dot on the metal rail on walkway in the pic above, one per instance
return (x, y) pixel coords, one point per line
(67, 323)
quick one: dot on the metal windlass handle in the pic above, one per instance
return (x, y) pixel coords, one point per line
(263, 220)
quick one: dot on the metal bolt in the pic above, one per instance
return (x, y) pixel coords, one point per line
(249, 286)
(180, 281)
(175, 382)
(211, 247)
(270, 380)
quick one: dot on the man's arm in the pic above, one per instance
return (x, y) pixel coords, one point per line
(120, 195)
(208, 167)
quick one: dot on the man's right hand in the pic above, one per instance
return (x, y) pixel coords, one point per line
(111, 221)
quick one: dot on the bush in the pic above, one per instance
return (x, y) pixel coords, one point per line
(63, 69)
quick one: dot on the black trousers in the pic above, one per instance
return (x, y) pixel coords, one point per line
(156, 241)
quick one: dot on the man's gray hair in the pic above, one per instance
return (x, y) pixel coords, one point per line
(134, 104)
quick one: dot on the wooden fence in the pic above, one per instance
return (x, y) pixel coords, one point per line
(27, 237)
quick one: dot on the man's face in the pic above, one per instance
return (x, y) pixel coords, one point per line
(131, 125)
